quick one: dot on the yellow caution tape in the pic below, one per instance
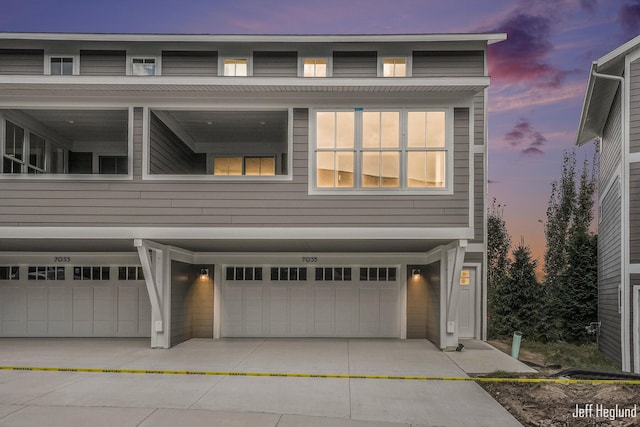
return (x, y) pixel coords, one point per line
(303, 375)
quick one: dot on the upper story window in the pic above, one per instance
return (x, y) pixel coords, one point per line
(235, 67)
(13, 156)
(143, 66)
(61, 65)
(315, 67)
(394, 67)
(382, 150)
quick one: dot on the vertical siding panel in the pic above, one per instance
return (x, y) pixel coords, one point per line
(189, 63)
(181, 327)
(355, 64)
(478, 119)
(21, 61)
(137, 143)
(634, 103)
(417, 301)
(275, 64)
(448, 63)
(103, 62)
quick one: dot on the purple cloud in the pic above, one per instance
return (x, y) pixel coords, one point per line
(629, 18)
(524, 55)
(524, 134)
(589, 5)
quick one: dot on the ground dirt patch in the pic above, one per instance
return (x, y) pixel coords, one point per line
(552, 404)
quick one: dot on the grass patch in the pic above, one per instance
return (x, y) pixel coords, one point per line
(567, 355)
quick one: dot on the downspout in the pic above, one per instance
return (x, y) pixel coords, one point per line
(624, 226)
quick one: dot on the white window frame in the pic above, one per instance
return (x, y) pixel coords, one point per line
(329, 60)
(146, 150)
(28, 129)
(408, 65)
(403, 189)
(156, 58)
(74, 57)
(247, 58)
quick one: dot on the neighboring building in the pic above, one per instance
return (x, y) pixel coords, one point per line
(611, 113)
(179, 186)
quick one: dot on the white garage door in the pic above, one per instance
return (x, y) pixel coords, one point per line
(78, 301)
(311, 302)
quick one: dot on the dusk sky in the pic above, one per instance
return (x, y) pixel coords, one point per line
(538, 75)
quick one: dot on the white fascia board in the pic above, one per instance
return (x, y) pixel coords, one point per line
(618, 52)
(175, 82)
(490, 38)
(580, 134)
(204, 233)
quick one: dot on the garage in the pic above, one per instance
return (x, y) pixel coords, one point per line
(73, 301)
(322, 301)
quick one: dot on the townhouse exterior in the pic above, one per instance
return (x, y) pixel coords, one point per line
(611, 114)
(181, 186)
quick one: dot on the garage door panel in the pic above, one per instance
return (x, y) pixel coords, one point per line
(369, 299)
(127, 311)
(299, 311)
(324, 299)
(332, 303)
(59, 311)
(104, 311)
(82, 311)
(278, 317)
(36, 311)
(14, 311)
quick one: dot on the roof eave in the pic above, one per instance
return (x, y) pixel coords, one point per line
(584, 135)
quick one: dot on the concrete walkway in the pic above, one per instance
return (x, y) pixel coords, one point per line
(29, 398)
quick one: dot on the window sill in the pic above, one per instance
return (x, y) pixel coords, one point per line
(65, 177)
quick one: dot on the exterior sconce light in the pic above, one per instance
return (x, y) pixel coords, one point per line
(204, 273)
(415, 272)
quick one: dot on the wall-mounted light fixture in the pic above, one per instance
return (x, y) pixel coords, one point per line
(204, 273)
(415, 272)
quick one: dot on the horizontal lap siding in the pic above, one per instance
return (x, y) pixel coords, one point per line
(611, 144)
(275, 64)
(355, 64)
(479, 119)
(229, 204)
(478, 197)
(21, 61)
(168, 153)
(634, 212)
(609, 274)
(449, 64)
(634, 102)
(185, 63)
(103, 63)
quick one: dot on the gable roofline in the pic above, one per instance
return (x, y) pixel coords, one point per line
(601, 92)
(490, 38)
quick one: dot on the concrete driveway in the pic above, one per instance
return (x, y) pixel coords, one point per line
(29, 398)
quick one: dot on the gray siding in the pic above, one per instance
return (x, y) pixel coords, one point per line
(202, 303)
(417, 291)
(181, 278)
(634, 212)
(478, 198)
(609, 274)
(235, 204)
(610, 150)
(433, 303)
(473, 257)
(103, 62)
(21, 61)
(275, 64)
(449, 64)
(478, 119)
(169, 155)
(634, 281)
(634, 102)
(355, 64)
(189, 63)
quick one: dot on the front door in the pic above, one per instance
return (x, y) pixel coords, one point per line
(467, 304)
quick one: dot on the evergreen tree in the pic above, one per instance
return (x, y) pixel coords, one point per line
(520, 299)
(571, 256)
(498, 246)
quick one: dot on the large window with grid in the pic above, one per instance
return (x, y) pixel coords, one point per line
(383, 150)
